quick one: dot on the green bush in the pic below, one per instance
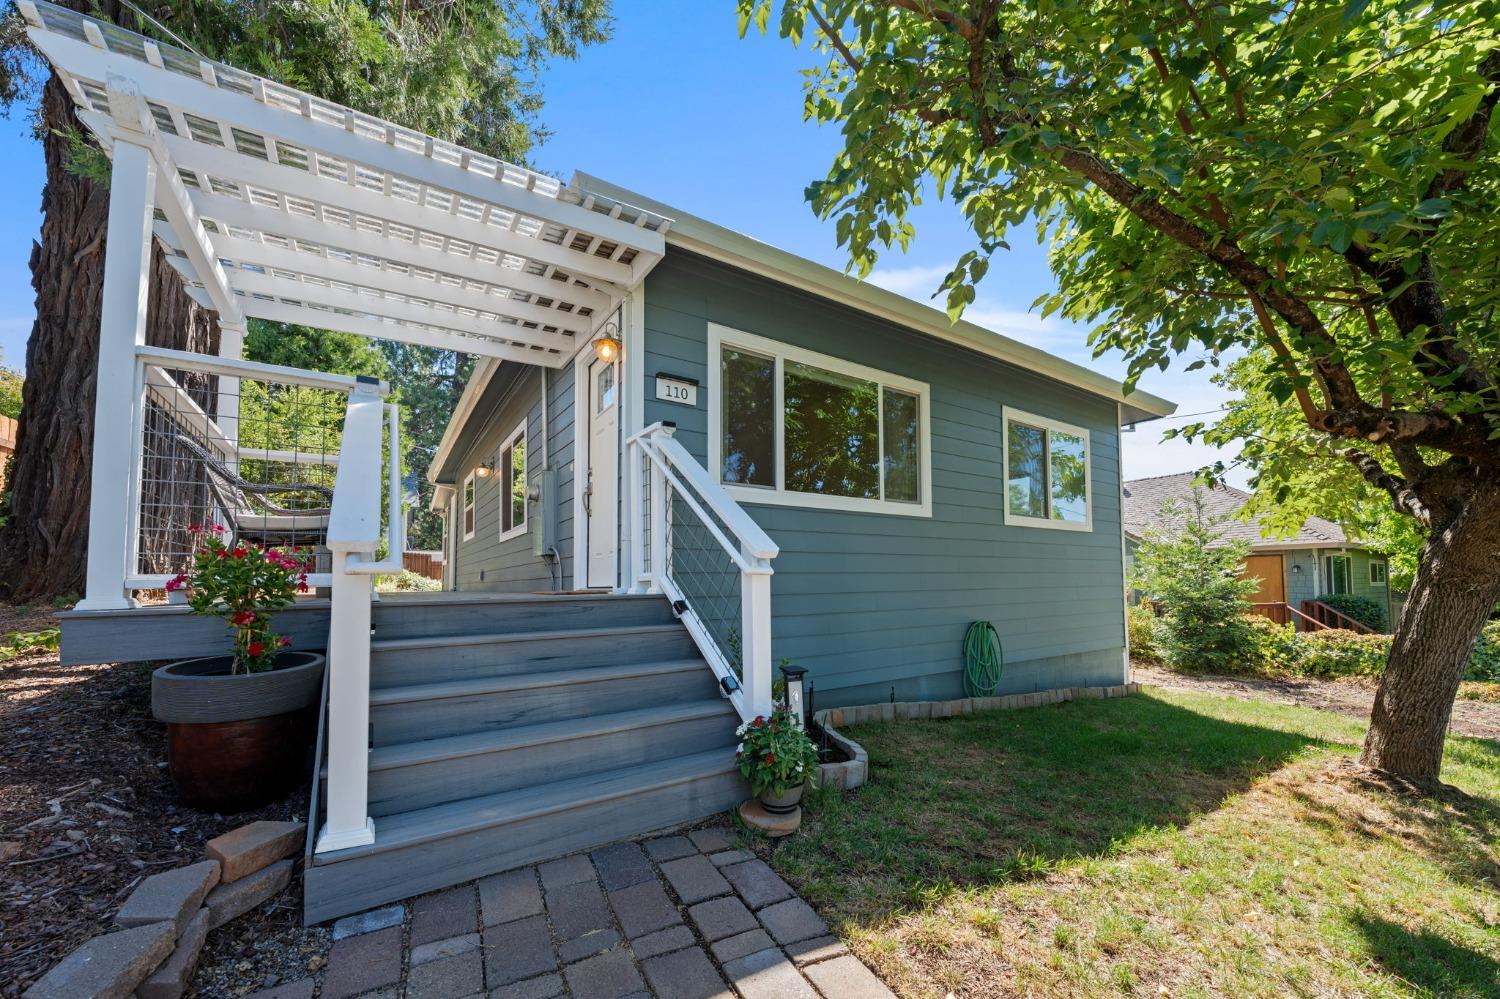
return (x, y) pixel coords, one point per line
(1340, 653)
(1366, 611)
(1272, 648)
(406, 580)
(1485, 663)
(1141, 623)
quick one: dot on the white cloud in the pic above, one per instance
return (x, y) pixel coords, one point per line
(1057, 335)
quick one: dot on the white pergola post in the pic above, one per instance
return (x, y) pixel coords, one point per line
(227, 413)
(122, 328)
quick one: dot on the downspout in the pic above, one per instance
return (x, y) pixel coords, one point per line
(551, 555)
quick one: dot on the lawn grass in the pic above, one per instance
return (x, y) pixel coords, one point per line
(1162, 845)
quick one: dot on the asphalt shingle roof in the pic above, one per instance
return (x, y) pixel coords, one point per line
(1145, 498)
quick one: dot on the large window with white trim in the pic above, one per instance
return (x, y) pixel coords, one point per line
(798, 428)
(1046, 472)
(512, 469)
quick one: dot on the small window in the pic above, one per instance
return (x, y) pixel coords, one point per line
(1378, 573)
(1046, 472)
(512, 466)
(795, 428)
(1337, 569)
(468, 506)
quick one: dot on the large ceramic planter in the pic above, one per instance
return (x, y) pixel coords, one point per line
(782, 804)
(237, 742)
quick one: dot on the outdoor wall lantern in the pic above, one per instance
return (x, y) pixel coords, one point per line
(607, 344)
(793, 676)
(1297, 569)
(485, 469)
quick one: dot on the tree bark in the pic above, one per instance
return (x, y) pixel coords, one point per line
(44, 542)
(1455, 590)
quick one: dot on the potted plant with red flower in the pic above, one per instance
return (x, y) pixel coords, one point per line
(778, 758)
(239, 725)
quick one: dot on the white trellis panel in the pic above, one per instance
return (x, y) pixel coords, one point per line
(280, 205)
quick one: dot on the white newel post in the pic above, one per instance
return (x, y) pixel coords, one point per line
(349, 823)
(122, 328)
(660, 515)
(755, 624)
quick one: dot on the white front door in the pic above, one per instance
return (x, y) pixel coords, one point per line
(601, 497)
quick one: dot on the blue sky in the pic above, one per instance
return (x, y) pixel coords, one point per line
(676, 106)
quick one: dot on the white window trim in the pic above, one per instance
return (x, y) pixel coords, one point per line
(468, 499)
(1385, 575)
(722, 336)
(1008, 414)
(503, 500)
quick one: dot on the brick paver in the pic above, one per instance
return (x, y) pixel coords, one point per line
(676, 917)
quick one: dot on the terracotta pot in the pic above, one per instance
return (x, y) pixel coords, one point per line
(782, 804)
(237, 742)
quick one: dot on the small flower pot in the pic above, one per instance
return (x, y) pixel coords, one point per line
(237, 742)
(782, 804)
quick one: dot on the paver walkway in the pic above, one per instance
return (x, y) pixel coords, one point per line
(678, 917)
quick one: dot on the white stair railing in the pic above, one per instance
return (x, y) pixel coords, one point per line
(354, 537)
(702, 550)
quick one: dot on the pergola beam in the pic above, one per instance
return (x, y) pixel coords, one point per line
(371, 326)
(345, 197)
(252, 283)
(242, 214)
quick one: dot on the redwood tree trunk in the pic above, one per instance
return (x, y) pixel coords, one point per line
(1455, 590)
(44, 541)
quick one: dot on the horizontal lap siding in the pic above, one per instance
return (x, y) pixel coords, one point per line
(870, 602)
(484, 561)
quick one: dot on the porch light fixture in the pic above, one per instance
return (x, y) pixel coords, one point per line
(792, 677)
(485, 469)
(607, 344)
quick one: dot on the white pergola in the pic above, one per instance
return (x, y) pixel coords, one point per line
(278, 205)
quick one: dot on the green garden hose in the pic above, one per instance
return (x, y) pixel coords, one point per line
(983, 660)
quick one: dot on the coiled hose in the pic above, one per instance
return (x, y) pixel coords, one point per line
(983, 660)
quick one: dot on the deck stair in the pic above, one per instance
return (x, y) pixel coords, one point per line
(507, 730)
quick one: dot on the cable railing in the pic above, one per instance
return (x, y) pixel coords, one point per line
(701, 549)
(252, 448)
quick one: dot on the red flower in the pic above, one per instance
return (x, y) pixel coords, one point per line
(218, 528)
(282, 643)
(759, 720)
(770, 758)
(302, 583)
(256, 648)
(240, 552)
(195, 528)
(244, 617)
(177, 582)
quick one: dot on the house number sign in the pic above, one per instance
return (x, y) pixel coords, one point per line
(672, 388)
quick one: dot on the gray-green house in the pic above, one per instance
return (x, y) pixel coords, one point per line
(1319, 559)
(917, 475)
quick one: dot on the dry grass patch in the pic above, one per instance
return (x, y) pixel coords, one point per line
(1177, 845)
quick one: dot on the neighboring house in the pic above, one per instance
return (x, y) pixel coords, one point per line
(7, 445)
(683, 455)
(1319, 559)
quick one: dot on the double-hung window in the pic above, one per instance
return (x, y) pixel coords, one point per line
(468, 506)
(1046, 473)
(1378, 573)
(1336, 568)
(512, 469)
(792, 427)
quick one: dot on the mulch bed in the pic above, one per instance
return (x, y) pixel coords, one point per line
(87, 802)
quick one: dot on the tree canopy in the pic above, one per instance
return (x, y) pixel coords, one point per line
(1312, 184)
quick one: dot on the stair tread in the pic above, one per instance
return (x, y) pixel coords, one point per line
(453, 818)
(528, 681)
(489, 638)
(403, 754)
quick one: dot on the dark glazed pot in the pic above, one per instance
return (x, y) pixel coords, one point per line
(237, 742)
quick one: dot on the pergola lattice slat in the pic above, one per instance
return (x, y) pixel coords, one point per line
(280, 205)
